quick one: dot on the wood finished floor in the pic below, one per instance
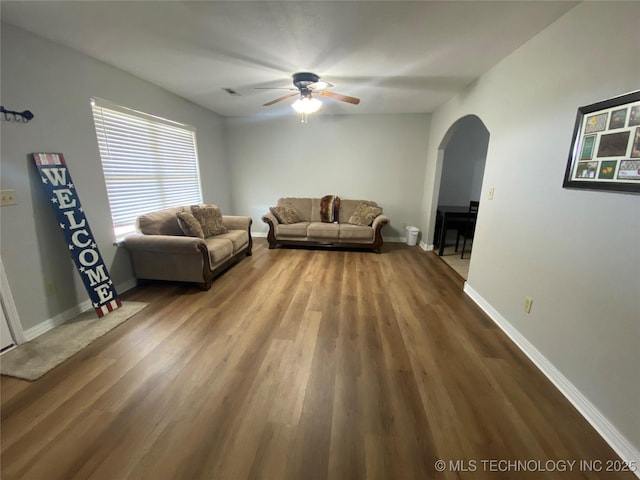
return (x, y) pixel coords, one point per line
(297, 364)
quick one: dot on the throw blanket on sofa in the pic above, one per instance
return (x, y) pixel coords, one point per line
(329, 208)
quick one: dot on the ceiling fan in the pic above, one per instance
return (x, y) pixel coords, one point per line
(307, 85)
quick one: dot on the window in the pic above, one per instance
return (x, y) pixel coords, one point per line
(149, 163)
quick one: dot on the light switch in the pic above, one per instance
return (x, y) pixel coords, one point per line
(490, 193)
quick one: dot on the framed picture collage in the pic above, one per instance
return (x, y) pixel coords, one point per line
(605, 149)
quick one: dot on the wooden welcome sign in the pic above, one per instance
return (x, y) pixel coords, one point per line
(82, 247)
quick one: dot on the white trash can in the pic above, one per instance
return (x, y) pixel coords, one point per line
(412, 235)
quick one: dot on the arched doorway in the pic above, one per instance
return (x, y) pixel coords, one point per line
(462, 155)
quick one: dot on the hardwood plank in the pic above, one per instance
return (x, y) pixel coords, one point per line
(297, 364)
(272, 458)
(310, 457)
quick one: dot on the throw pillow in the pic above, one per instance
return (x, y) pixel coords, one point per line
(189, 225)
(329, 207)
(286, 214)
(210, 219)
(336, 210)
(364, 214)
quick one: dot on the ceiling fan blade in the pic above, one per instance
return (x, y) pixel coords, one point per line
(338, 96)
(284, 97)
(319, 85)
(275, 88)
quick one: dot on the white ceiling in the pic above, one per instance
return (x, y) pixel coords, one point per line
(397, 56)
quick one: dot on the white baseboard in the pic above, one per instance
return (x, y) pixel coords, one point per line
(395, 239)
(426, 247)
(588, 410)
(59, 319)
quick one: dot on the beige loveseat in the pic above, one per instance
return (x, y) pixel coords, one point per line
(312, 227)
(162, 251)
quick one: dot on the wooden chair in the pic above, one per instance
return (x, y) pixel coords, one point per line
(468, 229)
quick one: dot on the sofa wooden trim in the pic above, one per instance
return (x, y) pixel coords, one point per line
(210, 275)
(375, 245)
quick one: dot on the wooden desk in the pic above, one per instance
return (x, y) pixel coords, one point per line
(448, 217)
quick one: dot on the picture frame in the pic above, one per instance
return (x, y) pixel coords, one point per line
(605, 147)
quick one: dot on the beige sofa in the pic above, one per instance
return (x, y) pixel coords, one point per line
(310, 230)
(161, 251)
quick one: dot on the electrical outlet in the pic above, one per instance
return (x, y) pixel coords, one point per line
(526, 306)
(50, 288)
(490, 193)
(8, 197)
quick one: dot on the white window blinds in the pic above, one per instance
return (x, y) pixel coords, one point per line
(148, 163)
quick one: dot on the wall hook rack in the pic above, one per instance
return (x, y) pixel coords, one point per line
(19, 117)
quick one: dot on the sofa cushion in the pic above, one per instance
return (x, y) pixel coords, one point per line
(210, 219)
(329, 205)
(294, 230)
(302, 206)
(364, 214)
(355, 233)
(325, 231)
(315, 211)
(161, 222)
(347, 207)
(220, 249)
(286, 214)
(238, 238)
(189, 225)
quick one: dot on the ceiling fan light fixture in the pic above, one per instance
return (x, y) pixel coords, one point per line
(306, 105)
(319, 85)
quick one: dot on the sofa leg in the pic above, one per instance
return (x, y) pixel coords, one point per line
(206, 285)
(272, 246)
(249, 253)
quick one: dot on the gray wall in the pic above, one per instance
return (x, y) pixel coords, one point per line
(463, 164)
(56, 83)
(577, 253)
(371, 157)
